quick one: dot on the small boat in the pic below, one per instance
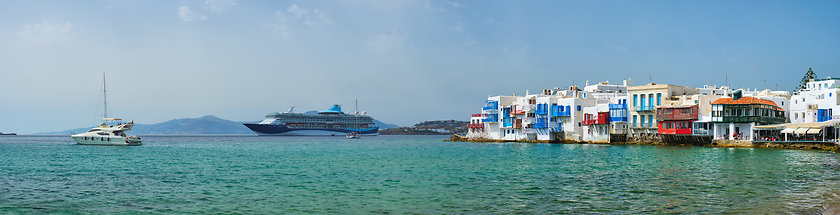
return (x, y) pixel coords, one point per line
(354, 135)
(1, 133)
(111, 132)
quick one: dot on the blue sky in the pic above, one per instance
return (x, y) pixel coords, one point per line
(405, 61)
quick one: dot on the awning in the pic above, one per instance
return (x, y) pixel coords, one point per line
(771, 127)
(788, 130)
(801, 131)
(813, 131)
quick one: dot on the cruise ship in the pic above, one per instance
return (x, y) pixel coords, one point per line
(330, 122)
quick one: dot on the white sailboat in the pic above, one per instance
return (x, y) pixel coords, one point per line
(111, 132)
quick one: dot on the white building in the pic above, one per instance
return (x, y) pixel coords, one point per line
(818, 102)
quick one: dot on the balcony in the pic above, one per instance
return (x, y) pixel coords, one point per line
(491, 118)
(618, 106)
(645, 108)
(669, 117)
(618, 119)
(682, 113)
(599, 121)
(556, 112)
(516, 112)
(475, 125)
(541, 125)
(641, 125)
(489, 108)
(541, 112)
(758, 119)
(480, 115)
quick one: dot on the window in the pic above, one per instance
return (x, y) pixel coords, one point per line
(634, 120)
(643, 121)
(643, 100)
(659, 99)
(650, 99)
(650, 120)
(635, 100)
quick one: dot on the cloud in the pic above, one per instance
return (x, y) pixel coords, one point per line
(279, 24)
(46, 32)
(387, 42)
(187, 15)
(456, 4)
(217, 6)
(318, 16)
(297, 11)
(458, 27)
(471, 41)
(429, 6)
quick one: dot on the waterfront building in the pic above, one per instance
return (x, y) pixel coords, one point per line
(618, 116)
(616, 96)
(677, 119)
(547, 124)
(818, 102)
(736, 117)
(490, 118)
(642, 104)
(596, 122)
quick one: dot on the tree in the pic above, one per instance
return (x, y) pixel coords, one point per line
(808, 76)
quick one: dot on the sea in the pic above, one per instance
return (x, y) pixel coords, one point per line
(407, 175)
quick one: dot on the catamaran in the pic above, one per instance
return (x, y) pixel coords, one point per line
(111, 132)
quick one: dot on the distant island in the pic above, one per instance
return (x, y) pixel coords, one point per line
(439, 127)
(206, 125)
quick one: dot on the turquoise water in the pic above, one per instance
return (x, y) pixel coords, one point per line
(406, 174)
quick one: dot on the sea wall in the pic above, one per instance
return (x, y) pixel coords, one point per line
(682, 141)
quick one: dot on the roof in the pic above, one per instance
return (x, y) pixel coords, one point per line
(746, 101)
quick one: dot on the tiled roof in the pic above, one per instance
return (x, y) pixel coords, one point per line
(745, 101)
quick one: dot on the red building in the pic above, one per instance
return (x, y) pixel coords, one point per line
(676, 119)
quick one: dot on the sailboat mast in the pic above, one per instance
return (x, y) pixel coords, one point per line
(104, 95)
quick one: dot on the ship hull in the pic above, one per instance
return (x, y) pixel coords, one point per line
(282, 130)
(105, 141)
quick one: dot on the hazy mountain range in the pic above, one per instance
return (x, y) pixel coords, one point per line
(187, 126)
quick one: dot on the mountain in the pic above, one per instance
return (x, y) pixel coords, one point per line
(187, 126)
(204, 125)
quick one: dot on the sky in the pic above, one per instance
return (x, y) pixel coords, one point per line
(404, 61)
